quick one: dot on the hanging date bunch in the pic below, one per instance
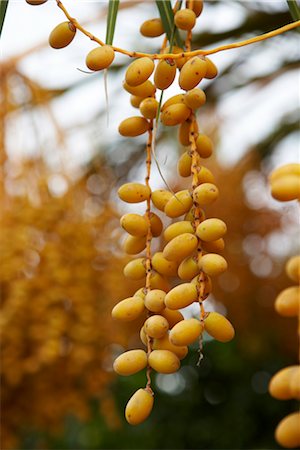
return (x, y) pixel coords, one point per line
(285, 384)
(190, 256)
(181, 273)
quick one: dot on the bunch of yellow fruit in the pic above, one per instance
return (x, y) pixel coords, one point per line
(192, 243)
(285, 384)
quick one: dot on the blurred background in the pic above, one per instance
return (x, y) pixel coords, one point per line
(62, 161)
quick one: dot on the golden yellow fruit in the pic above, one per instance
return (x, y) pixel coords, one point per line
(286, 188)
(165, 73)
(146, 89)
(160, 198)
(139, 407)
(156, 326)
(157, 281)
(130, 362)
(280, 383)
(148, 107)
(176, 50)
(190, 215)
(184, 132)
(292, 169)
(134, 192)
(136, 101)
(287, 433)
(164, 361)
(139, 71)
(180, 247)
(205, 175)
(179, 204)
(172, 316)
(134, 244)
(292, 268)
(175, 100)
(218, 327)
(206, 194)
(134, 224)
(204, 146)
(133, 126)
(287, 303)
(212, 264)
(165, 344)
(211, 230)
(197, 6)
(207, 286)
(286, 169)
(185, 332)
(192, 73)
(135, 269)
(181, 296)
(140, 293)
(175, 114)
(212, 70)
(177, 228)
(129, 309)
(184, 165)
(62, 35)
(143, 336)
(185, 19)
(35, 2)
(195, 98)
(163, 266)
(155, 300)
(188, 268)
(214, 246)
(155, 224)
(295, 383)
(100, 58)
(152, 28)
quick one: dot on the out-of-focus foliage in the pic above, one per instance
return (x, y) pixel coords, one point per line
(60, 274)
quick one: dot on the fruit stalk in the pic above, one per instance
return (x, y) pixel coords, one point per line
(148, 262)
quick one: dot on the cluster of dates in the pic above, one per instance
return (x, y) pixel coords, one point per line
(285, 384)
(192, 243)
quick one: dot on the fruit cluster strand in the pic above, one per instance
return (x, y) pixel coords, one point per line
(148, 263)
(192, 245)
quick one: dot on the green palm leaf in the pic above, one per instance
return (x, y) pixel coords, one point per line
(111, 21)
(167, 18)
(3, 8)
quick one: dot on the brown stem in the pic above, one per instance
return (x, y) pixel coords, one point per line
(148, 263)
(197, 216)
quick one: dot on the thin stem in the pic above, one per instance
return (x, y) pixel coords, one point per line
(148, 210)
(221, 48)
(197, 216)
(148, 262)
(188, 41)
(77, 24)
